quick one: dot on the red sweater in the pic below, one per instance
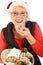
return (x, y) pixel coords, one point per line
(37, 47)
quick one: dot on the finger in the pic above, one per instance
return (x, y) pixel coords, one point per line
(21, 32)
(24, 28)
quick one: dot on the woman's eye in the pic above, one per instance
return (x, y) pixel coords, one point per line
(22, 13)
(15, 13)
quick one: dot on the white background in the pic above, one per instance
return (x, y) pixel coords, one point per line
(36, 13)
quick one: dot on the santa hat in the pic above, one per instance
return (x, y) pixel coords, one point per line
(11, 5)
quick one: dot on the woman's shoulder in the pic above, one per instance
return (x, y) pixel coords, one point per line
(36, 24)
(1, 34)
(2, 37)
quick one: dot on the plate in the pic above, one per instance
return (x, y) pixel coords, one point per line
(8, 52)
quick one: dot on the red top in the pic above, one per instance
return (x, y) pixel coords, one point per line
(37, 47)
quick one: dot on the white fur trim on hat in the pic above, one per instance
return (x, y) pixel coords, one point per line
(18, 3)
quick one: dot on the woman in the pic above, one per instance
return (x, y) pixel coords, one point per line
(21, 32)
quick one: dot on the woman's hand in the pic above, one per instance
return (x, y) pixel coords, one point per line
(25, 32)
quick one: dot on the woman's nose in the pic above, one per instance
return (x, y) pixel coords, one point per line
(19, 17)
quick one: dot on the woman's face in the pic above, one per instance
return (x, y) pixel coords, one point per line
(19, 16)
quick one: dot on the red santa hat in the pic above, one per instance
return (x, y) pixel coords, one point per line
(11, 5)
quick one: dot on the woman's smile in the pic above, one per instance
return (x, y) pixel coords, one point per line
(19, 21)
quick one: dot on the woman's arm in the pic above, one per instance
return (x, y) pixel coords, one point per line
(2, 44)
(38, 45)
(37, 41)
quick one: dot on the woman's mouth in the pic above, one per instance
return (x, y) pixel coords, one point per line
(19, 21)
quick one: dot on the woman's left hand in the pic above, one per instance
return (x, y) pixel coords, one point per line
(23, 31)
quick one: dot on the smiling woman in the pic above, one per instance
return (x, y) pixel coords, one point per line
(18, 15)
(21, 32)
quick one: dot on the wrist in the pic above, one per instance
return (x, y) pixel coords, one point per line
(31, 39)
